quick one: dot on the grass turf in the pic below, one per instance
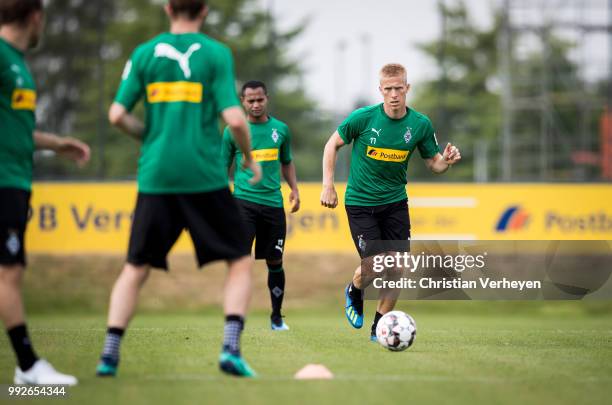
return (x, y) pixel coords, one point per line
(466, 355)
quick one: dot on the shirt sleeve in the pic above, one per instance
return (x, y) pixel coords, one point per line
(351, 127)
(131, 88)
(224, 83)
(285, 150)
(428, 146)
(228, 148)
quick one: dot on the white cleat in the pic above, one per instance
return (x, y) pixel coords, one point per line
(282, 326)
(43, 373)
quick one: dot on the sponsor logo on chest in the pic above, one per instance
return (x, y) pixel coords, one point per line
(23, 99)
(265, 155)
(387, 155)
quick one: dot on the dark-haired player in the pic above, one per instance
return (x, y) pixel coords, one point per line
(261, 204)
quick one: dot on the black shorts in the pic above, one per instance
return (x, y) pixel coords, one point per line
(14, 208)
(212, 219)
(388, 222)
(267, 225)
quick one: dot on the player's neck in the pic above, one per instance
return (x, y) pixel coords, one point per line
(17, 38)
(258, 120)
(181, 26)
(395, 113)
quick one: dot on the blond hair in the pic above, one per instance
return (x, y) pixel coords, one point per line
(393, 70)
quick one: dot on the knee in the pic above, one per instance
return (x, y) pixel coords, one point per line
(275, 265)
(243, 264)
(11, 275)
(136, 274)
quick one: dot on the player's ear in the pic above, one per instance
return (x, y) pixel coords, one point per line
(168, 10)
(35, 19)
(204, 12)
(408, 86)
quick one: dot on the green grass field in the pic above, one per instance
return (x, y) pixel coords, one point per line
(456, 359)
(465, 352)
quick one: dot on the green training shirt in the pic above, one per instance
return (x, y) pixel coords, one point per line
(381, 151)
(17, 119)
(271, 144)
(186, 81)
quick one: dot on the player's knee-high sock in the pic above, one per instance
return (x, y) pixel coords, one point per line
(377, 317)
(234, 324)
(357, 296)
(22, 346)
(112, 344)
(276, 285)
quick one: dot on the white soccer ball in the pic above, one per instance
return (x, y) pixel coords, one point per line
(396, 331)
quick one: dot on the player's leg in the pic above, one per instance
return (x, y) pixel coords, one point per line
(276, 286)
(156, 227)
(217, 230)
(364, 228)
(364, 275)
(14, 205)
(395, 226)
(270, 245)
(123, 302)
(13, 316)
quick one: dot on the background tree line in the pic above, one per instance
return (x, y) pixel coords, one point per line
(87, 43)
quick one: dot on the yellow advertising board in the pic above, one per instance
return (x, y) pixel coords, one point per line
(95, 217)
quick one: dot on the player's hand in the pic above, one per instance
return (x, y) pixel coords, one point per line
(249, 163)
(294, 199)
(329, 197)
(451, 154)
(74, 150)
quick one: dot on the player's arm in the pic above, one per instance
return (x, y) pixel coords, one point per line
(440, 163)
(290, 177)
(119, 117)
(289, 172)
(237, 123)
(131, 90)
(228, 148)
(329, 197)
(70, 148)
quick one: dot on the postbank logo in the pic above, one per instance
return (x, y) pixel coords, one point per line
(387, 155)
(265, 155)
(23, 99)
(514, 218)
(174, 92)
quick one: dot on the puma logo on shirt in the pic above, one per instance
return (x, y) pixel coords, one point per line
(168, 51)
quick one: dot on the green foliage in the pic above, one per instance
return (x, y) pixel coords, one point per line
(460, 101)
(464, 100)
(66, 71)
(91, 41)
(461, 358)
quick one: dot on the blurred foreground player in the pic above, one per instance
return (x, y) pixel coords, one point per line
(21, 26)
(384, 138)
(187, 80)
(261, 204)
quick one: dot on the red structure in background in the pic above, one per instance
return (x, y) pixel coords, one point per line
(606, 144)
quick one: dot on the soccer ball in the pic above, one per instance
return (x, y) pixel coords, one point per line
(396, 331)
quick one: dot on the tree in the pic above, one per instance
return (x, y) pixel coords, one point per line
(91, 42)
(464, 100)
(65, 69)
(460, 101)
